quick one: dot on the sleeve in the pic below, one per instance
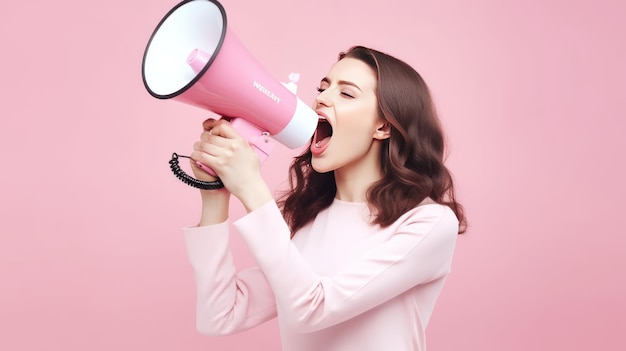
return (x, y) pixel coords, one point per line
(419, 251)
(226, 302)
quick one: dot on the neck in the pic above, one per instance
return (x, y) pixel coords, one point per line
(354, 179)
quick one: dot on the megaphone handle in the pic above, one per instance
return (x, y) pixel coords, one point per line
(258, 138)
(206, 168)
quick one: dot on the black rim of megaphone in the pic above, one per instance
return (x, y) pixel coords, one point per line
(195, 79)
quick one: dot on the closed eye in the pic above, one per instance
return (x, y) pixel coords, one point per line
(321, 90)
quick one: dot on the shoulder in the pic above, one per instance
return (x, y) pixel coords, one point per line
(430, 216)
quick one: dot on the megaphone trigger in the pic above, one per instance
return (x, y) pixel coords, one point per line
(205, 168)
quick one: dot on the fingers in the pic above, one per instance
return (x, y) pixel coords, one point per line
(221, 127)
(208, 124)
(202, 157)
(212, 146)
(212, 137)
(212, 156)
(215, 146)
(203, 153)
(211, 123)
(219, 144)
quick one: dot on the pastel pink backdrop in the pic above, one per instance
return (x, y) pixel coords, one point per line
(531, 96)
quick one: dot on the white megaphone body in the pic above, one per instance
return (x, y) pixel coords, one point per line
(193, 57)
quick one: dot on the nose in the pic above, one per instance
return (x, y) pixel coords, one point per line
(323, 99)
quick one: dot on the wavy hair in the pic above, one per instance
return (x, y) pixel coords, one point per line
(412, 158)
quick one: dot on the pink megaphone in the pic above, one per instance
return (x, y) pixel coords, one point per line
(193, 57)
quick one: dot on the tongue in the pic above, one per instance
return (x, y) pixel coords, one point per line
(322, 143)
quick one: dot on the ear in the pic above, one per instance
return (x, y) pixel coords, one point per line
(383, 131)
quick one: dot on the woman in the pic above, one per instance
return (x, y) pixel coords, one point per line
(354, 256)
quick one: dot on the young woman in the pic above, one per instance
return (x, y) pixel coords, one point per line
(354, 256)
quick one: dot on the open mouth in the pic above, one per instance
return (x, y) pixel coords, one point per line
(323, 133)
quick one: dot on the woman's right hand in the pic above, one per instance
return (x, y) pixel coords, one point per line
(224, 150)
(198, 172)
(215, 203)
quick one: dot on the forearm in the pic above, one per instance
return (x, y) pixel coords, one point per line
(227, 302)
(215, 205)
(256, 196)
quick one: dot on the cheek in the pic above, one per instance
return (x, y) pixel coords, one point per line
(356, 126)
(353, 141)
(358, 130)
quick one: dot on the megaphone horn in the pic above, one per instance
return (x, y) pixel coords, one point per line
(193, 57)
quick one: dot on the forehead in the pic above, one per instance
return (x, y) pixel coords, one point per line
(355, 71)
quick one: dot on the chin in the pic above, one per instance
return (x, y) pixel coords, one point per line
(320, 167)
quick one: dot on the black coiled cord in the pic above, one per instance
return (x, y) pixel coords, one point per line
(187, 179)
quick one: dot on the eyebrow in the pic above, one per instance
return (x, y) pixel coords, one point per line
(340, 82)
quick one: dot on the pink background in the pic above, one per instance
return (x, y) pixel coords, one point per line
(531, 94)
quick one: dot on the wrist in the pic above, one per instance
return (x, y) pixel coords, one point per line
(215, 206)
(255, 197)
(214, 194)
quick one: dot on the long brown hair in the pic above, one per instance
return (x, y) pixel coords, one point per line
(412, 158)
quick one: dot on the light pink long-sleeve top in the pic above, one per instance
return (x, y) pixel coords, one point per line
(341, 284)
